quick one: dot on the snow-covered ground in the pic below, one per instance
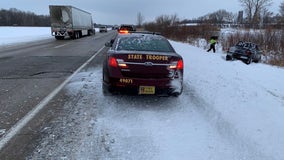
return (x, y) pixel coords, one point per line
(228, 110)
(15, 35)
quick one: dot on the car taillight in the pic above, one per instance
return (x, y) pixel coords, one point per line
(177, 65)
(123, 31)
(180, 64)
(248, 52)
(112, 62)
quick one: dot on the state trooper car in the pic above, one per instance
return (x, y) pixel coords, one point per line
(142, 63)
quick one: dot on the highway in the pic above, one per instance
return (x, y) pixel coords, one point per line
(29, 73)
(52, 107)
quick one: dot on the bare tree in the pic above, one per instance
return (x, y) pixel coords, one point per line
(174, 20)
(281, 10)
(221, 16)
(167, 20)
(253, 10)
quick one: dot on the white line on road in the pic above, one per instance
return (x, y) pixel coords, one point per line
(61, 45)
(25, 120)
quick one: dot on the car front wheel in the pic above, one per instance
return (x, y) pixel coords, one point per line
(249, 60)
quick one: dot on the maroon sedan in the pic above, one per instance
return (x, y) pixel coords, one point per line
(142, 63)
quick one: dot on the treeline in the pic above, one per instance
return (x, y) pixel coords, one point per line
(171, 27)
(15, 17)
(270, 39)
(223, 18)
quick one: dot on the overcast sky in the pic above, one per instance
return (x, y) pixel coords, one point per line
(125, 11)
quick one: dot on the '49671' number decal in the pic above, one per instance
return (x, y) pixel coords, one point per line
(126, 80)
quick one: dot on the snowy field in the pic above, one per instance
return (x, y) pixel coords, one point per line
(237, 114)
(16, 35)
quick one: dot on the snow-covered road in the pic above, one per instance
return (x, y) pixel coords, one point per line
(228, 110)
(137, 127)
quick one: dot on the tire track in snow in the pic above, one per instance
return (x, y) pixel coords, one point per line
(246, 148)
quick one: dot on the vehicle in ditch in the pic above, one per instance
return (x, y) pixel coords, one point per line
(245, 51)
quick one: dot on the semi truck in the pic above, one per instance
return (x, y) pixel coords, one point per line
(70, 21)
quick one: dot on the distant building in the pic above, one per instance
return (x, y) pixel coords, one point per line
(240, 19)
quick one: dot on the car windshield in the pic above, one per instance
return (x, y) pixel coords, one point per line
(144, 43)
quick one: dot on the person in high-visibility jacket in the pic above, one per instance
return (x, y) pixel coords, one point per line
(212, 42)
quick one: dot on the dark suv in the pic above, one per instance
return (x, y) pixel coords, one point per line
(125, 28)
(246, 51)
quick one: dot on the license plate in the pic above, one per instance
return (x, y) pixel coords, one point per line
(146, 89)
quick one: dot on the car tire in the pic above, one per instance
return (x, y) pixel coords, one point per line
(228, 58)
(257, 60)
(106, 90)
(176, 94)
(249, 60)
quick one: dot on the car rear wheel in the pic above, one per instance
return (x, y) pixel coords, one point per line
(257, 60)
(176, 93)
(106, 90)
(228, 58)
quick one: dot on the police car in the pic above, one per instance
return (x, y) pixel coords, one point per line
(142, 63)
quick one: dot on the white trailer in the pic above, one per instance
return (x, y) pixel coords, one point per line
(70, 21)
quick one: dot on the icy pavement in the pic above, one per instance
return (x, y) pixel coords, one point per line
(228, 110)
(138, 127)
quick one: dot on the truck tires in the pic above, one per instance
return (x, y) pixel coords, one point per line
(59, 37)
